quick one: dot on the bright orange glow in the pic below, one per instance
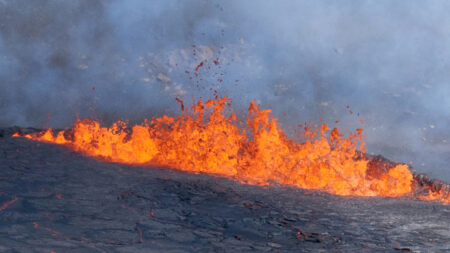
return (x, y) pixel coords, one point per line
(205, 139)
(437, 195)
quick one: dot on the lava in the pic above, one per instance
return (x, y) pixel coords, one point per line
(207, 138)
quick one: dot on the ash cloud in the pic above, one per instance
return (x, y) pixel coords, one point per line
(307, 60)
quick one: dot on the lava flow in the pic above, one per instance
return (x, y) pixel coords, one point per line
(207, 138)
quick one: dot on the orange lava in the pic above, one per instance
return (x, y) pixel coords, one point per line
(439, 195)
(207, 138)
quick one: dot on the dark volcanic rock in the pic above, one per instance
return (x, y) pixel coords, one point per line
(6, 132)
(55, 200)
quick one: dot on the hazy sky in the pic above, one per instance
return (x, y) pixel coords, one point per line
(308, 60)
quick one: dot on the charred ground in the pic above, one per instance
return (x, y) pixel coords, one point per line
(55, 200)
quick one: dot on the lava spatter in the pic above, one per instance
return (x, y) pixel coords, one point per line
(205, 139)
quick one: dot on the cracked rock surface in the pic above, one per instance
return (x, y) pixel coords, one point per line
(55, 200)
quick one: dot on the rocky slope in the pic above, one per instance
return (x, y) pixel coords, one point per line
(55, 200)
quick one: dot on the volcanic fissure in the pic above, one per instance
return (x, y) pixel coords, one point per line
(208, 138)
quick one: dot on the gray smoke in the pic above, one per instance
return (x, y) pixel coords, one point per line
(307, 60)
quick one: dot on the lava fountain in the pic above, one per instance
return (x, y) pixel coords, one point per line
(207, 138)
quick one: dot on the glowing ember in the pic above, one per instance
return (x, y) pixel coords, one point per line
(204, 139)
(8, 203)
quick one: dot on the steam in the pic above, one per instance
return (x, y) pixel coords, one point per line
(308, 60)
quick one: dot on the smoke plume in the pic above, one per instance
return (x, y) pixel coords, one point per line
(307, 60)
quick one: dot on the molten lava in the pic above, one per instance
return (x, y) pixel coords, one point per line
(205, 139)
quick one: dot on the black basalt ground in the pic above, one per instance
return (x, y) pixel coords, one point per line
(55, 200)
